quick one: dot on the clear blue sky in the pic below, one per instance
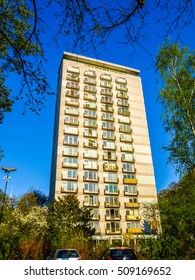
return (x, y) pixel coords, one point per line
(27, 139)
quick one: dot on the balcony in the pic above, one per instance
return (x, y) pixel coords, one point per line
(127, 149)
(105, 147)
(132, 204)
(123, 103)
(90, 167)
(72, 93)
(112, 232)
(67, 190)
(72, 77)
(90, 106)
(122, 88)
(90, 81)
(90, 97)
(111, 180)
(121, 80)
(131, 193)
(108, 167)
(107, 100)
(70, 153)
(92, 179)
(107, 92)
(88, 134)
(122, 95)
(107, 118)
(72, 111)
(90, 144)
(90, 88)
(70, 164)
(126, 138)
(71, 131)
(65, 177)
(112, 204)
(90, 73)
(95, 217)
(91, 203)
(132, 170)
(127, 159)
(125, 129)
(73, 69)
(72, 85)
(111, 192)
(109, 157)
(112, 217)
(72, 102)
(107, 108)
(134, 230)
(90, 155)
(106, 77)
(90, 124)
(132, 181)
(123, 112)
(91, 191)
(133, 217)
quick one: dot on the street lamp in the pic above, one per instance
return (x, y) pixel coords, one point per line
(7, 178)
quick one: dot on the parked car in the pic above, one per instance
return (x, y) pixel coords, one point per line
(67, 254)
(122, 253)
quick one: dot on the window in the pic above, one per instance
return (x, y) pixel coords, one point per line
(106, 107)
(69, 186)
(106, 91)
(91, 200)
(70, 140)
(70, 151)
(90, 175)
(112, 227)
(90, 81)
(121, 102)
(69, 174)
(132, 199)
(106, 77)
(73, 77)
(90, 132)
(71, 161)
(128, 167)
(125, 128)
(91, 143)
(73, 69)
(112, 214)
(90, 105)
(134, 224)
(132, 212)
(109, 145)
(122, 94)
(90, 73)
(123, 110)
(121, 87)
(111, 188)
(110, 166)
(128, 176)
(108, 135)
(91, 187)
(130, 189)
(106, 99)
(72, 85)
(91, 164)
(72, 93)
(71, 120)
(71, 129)
(72, 111)
(108, 125)
(127, 157)
(108, 155)
(90, 153)
(90, 122)
(90, 88)
(107, 116)
(90, 113)
(110, 177)
(121, 80)
(125, 137)
(90, 96)
(112, 201)
(127, 147)
(72, 101)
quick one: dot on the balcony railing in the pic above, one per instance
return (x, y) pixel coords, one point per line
(90, 144)
(130, 181)
(132, 204)
(109, 231)
(133, 217)
(127, 138)
(112, 217)
(70, 164)
(122, 95)
(109, 157)
(108, 167)
(65, 177)
(92, 179)
(134, 230)
(131, 192)
(111, 180)
(91, 203)
(112, 204)
(67, 190)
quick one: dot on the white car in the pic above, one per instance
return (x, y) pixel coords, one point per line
(67, 254)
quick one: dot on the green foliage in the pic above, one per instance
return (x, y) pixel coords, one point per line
(177, 71)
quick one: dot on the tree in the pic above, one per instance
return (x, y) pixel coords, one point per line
(177, 71)
(22, 54)
(84, 24)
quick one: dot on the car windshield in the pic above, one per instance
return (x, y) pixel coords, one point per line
(121, 253)
(67, 254)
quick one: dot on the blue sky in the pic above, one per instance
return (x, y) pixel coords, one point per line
(27, 139)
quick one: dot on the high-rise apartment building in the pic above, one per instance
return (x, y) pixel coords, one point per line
(101, 148)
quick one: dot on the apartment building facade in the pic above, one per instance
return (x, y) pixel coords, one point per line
(101, 149)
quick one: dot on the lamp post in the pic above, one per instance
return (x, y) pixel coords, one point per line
(7, 178)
